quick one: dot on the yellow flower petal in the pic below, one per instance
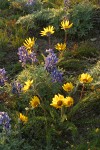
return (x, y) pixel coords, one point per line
(57, 101)
(65, 24)
(47, 31)
(34, 102)
(68, 102)
(27, 85)
(68, 87)
(29, 43)
(60, 46)
(85, 78)
(23, 118)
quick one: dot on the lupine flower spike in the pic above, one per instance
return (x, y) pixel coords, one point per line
(26, 56)
(16, 87)
(3, 77)
(5, 121)
(51, 66)
(30, 2)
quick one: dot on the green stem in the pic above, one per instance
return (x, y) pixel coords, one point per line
(82, 92)
(43, 109)
(49, 41)
(65, 37)
(62, 112)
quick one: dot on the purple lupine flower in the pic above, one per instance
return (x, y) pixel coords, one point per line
(30, 2)
(5, 121)
(56, 75)
(16, 87)
(32, 57)
(3, 77)
(51, 60)
(51, 66)
(25, 57)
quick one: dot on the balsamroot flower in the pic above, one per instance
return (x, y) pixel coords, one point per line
(27, 85)
(29, 43)
(60, 46)
(47, 31)
(23, 118)
(68, 101)
(65, 24)
(85, 78)
(58, 101)
(68, 87)
(3, 77)
(34, 102)
(5, 121)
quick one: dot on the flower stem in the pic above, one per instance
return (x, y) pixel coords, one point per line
(49, 41)
(61, 54)
(43, 108)
(82, 92)
(62, 112)
(65, 37)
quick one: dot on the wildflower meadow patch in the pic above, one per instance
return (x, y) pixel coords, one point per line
(44, 106)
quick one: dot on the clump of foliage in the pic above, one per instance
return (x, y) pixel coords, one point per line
(86, 49)
(81, 16)
(4, 4)
(33, 21)
(25, 6)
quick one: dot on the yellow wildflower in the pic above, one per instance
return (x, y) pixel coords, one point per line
(27, 85)
(60, 46)
(58, 101)
(47, 31)
(68, 87)
(85, 78)
(23, 118)
(29, 43)
(68, 101)
(34, 102)
(65, 24)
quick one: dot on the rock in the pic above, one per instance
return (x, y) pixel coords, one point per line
(93, 39)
